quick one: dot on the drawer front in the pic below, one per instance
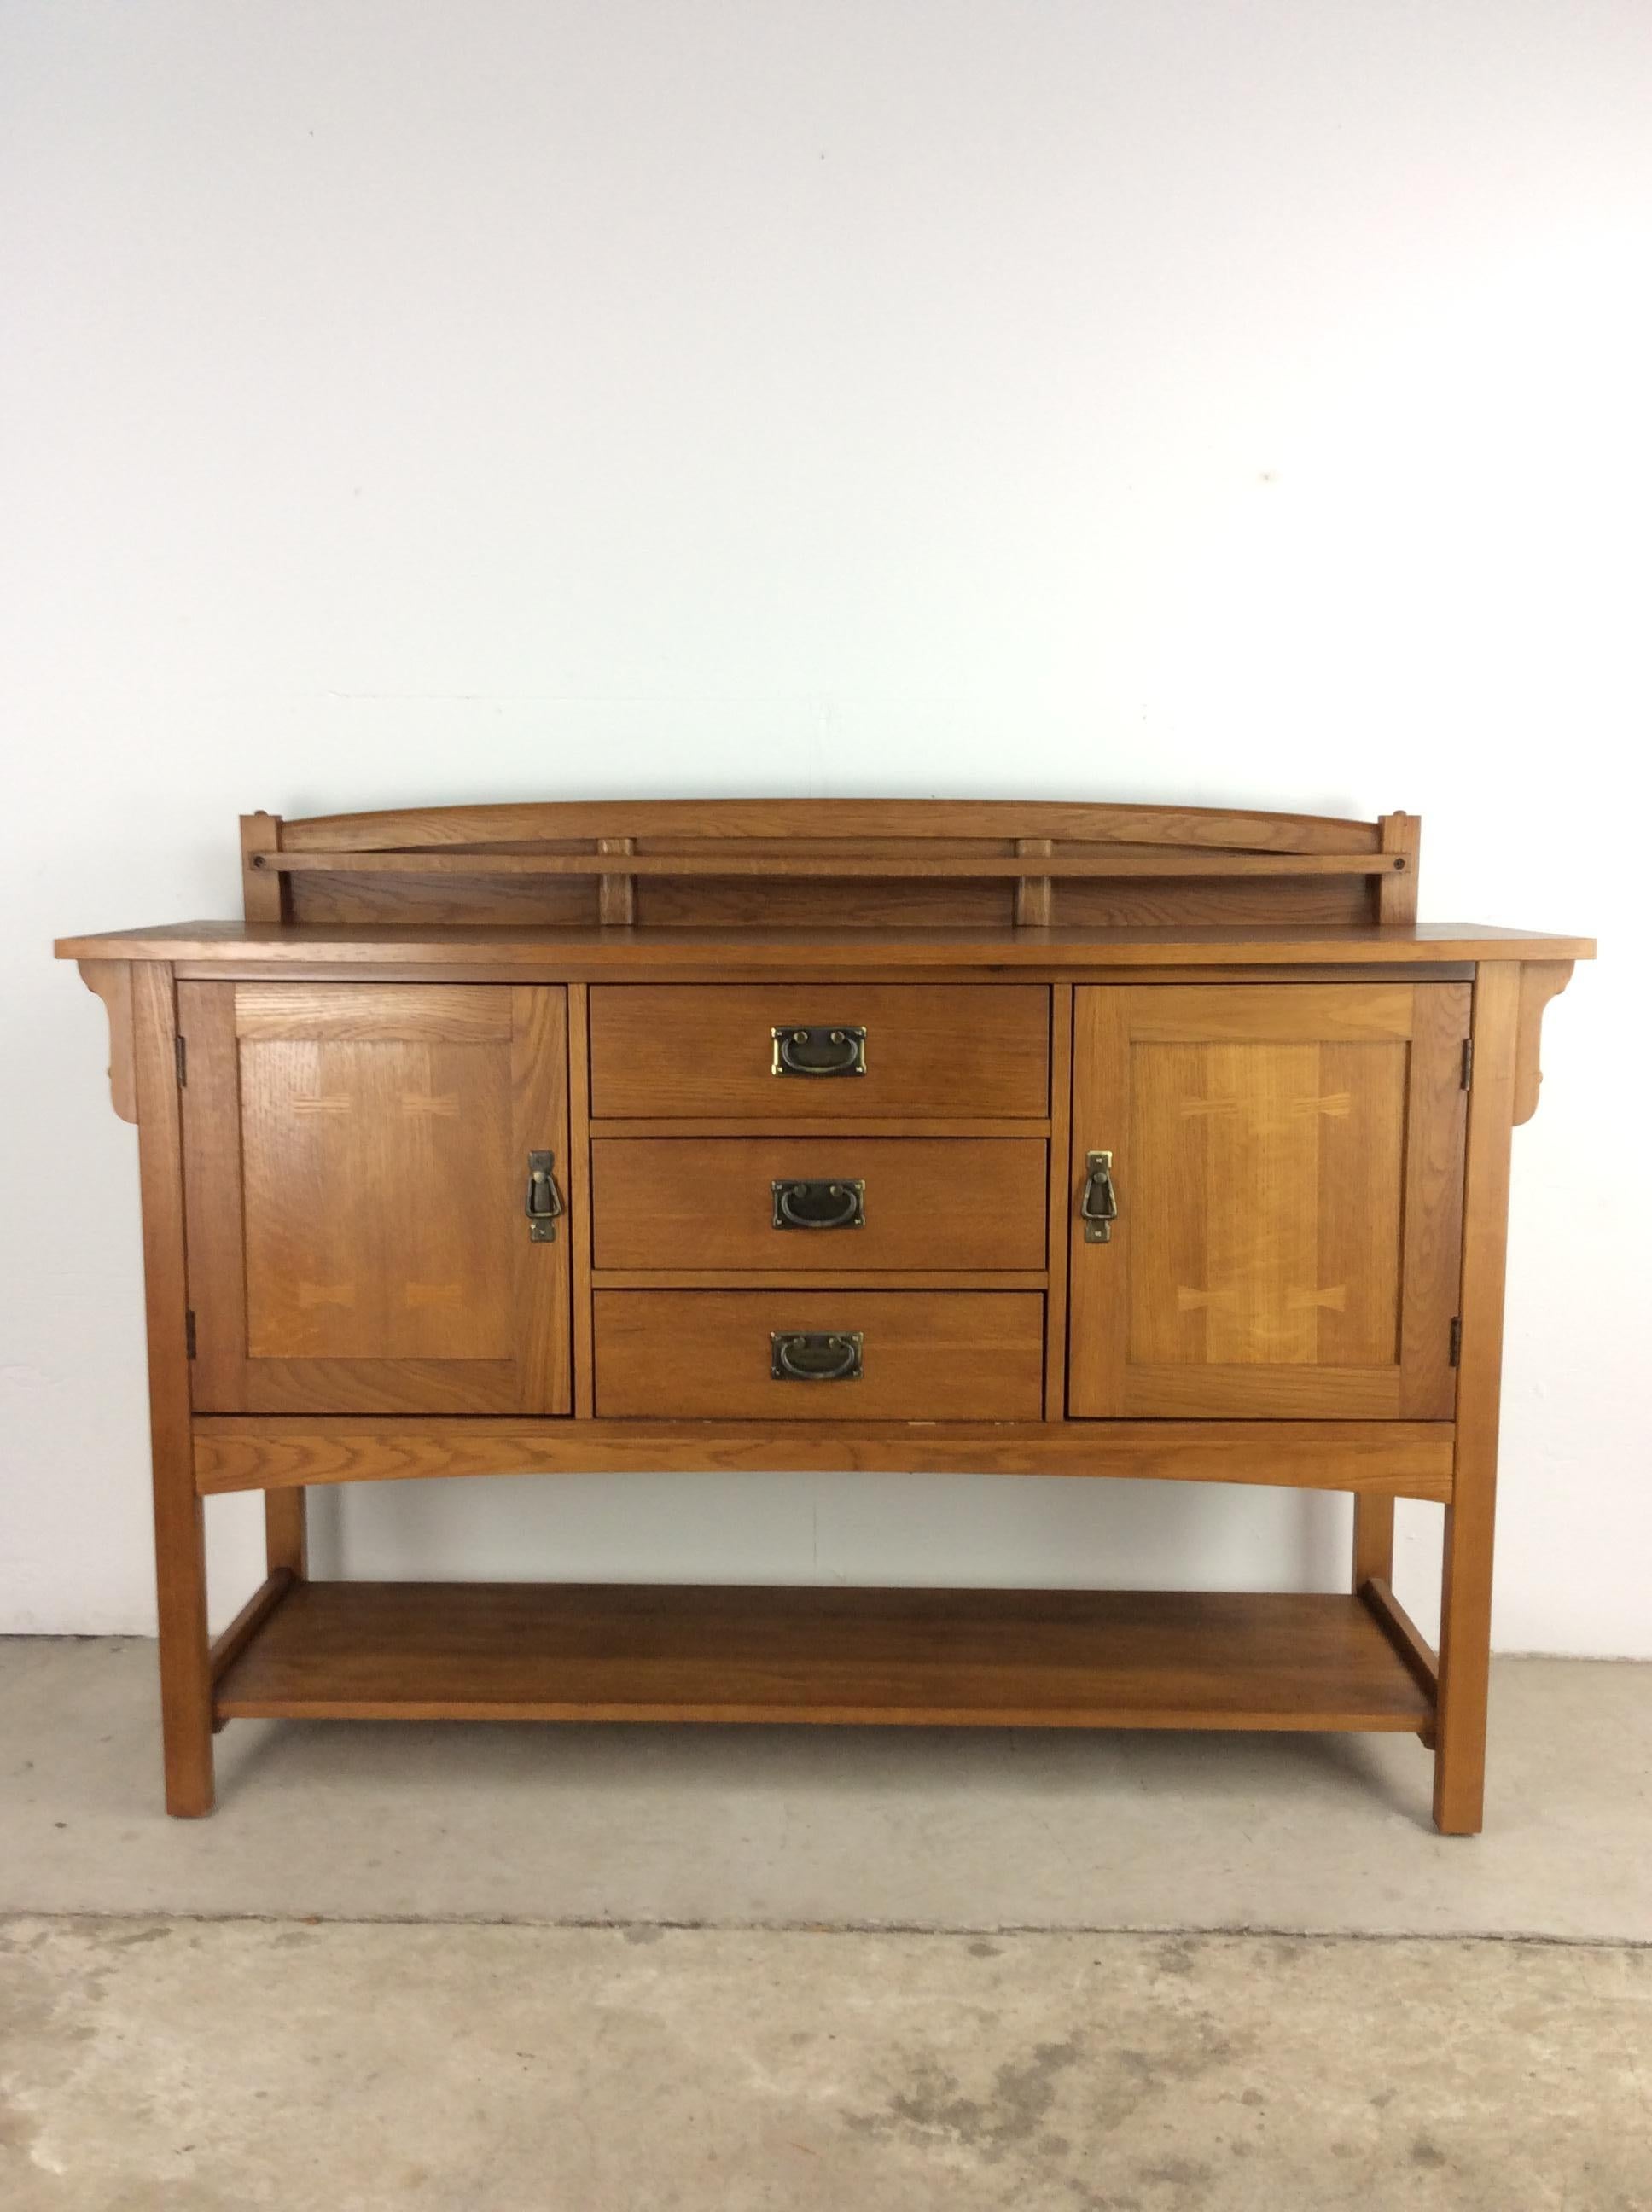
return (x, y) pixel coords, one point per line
(813, 1051)
(818, 1204)
(920, 1356)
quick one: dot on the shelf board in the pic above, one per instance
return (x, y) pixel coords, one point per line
(919, 1657)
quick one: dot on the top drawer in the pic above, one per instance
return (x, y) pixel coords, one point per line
(792, 1052)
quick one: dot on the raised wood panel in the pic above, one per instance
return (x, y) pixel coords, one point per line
(707, 1049)
(936, 1203)
(356, 1169)
(1285, 1160)
(1407, 1459)
(929, 1355)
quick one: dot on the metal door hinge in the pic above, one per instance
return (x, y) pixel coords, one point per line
(1468, 1063)
(181, 1052)
(1457, 1338)
(189, 1332)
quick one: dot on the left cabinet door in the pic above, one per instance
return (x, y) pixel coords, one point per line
(356, 1171)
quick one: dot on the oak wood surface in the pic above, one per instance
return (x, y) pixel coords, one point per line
(1465, 1597)
(788, 819)
(1540, 981)
(112, 981)
(1409, 1459)
(972, 1049)
(929, 1355)
(927, 1203)
(975, 1658)
(356, 1173)
(1281, 1159)
(179, 1532)
(576, 952)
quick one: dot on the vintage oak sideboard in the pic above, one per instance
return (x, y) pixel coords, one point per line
(1088, 1140)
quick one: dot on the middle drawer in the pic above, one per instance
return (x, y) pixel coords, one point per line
(820, 1206)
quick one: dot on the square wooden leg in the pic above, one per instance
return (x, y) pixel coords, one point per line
(1465, 1591)
(286, 1533)
(1373, 1560)
(179, 1534)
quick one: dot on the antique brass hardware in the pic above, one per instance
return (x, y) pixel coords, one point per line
(1098, 1209)
(819, 1205)
(822, 1049)
(807, 1355)
(544, 1201)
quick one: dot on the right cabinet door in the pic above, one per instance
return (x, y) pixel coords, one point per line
(1285, 1177)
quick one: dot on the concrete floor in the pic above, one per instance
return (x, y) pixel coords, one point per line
(803, 1826)
(202, 2016)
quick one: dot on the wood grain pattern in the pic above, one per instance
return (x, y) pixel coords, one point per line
(1401, 838)
(1282, 1158)
(836, 867)
(374, 1013)
(976, 1658)
(1056, 1204)
(356, 1188)
(179, 1534)
(1407, 1459)
(687, 1203)
(265, 895)
(1540, 981)
(112, 981)
(421, 828)
(581, 953)
(1466, 1601)
(929, 1355)
(978, 1048)
(579, 1194)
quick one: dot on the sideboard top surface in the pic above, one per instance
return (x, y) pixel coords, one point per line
(594, 949)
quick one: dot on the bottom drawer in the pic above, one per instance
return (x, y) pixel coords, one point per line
(843, 1355)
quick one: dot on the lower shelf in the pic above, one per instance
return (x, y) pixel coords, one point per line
(964, 1658)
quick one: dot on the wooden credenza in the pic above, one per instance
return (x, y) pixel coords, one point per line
(1089, 1141)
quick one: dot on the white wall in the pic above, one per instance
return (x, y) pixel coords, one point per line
(1129, 399)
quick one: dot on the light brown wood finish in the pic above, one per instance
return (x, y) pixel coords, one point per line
(977, 1048)
(112, 981)
(833, 868)
(923, 1658)
(705, 1355)
(687, 1203)
(579, 1194)
(179, 1535)
(1267, 1145)
(264, 895)
(787, 820)
(1466, 1600)
(356, 1173)
(1402, 836)
(1056, 1203)
(731, 954)
(1272, 1040)
(1373, 1559)
(1539, 981)
(1407, 1459)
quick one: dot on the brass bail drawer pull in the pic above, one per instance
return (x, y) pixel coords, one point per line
(1098, 1209)
(804, 1355)
(819, 1205)
(544, 1201)
(822, 1049)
